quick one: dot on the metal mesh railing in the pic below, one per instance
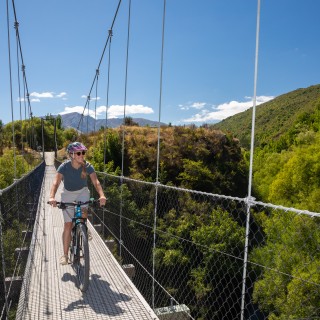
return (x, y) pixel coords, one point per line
(18, 207)
(190, 252)
(199, 255)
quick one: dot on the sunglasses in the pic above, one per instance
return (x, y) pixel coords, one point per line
(80, 153)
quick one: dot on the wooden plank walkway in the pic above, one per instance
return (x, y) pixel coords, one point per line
(49, 290)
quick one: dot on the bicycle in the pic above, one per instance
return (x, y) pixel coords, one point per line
(79, 247)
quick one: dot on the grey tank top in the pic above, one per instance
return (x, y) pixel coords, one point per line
(72, 177)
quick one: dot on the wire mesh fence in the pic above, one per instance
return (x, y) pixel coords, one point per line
(18, 208)
(207, 256)
(195, 255)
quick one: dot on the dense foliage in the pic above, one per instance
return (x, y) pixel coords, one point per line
(286, 172)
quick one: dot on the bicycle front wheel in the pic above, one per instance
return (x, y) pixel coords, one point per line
(82, 261)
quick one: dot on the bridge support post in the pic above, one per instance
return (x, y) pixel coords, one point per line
(98, 227)
(30, 221)
(130, 270)
(24, 251)
(177, 312)
(110, 244)
(15, 283)
(27, 234)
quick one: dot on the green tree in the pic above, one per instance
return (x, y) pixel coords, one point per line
(298, 182)
(7, 168)
(197, 244)
(128, 121)
(197, 176)
(288, 285)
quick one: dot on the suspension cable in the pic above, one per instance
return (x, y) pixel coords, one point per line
(88, 99)
(95, 103)
(21, 57)
(11, 95)
(125, 89)
(158, 158)
(123, 124)
(16, 26)
(246, 248)
(100, 61)
(107, 107)
(95, 113)
(25, 83)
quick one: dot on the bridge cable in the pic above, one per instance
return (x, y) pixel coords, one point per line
(89, 98)
(26, 90)
(105, 131)
(95, 103)
(158, 157)
(95, 113)
(107, 107)
(6, 307)
(246, 248)
(99, 64)
(16, 26)
(11, 94)
(7, 292)
(123, 127)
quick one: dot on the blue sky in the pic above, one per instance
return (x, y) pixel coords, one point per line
(208, 57)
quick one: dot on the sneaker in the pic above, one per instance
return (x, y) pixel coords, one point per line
(89, 235)
(64, 260)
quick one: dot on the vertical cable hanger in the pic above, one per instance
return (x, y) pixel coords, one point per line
(95, 103)
(123, 125)
(158, 157)
(107, 105)
(11, 94)
(249, 197)
(99, 64)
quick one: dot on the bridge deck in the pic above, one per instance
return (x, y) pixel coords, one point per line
(51, 293)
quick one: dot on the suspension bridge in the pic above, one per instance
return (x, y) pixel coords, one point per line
(127, 279)
(158, 251)
(49, 290)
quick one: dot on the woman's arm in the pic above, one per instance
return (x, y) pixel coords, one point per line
(54, 188)
(97, 185)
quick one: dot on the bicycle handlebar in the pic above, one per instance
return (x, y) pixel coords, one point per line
(63, 205)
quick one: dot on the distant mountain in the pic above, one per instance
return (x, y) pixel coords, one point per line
(89, 124)
(274, 118)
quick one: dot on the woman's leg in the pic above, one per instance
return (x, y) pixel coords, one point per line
(66, 237)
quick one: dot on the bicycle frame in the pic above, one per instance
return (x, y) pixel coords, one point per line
(79, 247)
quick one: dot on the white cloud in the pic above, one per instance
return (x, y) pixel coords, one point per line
(198, 105)
(35, 100)
(226, 110)
(91, 98)
(192, 105)
(61, 95)
(49, 95)
(114, 111)
(42, 95)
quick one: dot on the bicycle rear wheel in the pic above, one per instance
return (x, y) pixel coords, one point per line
(81, 259)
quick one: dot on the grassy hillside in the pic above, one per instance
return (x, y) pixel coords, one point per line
(275, 118)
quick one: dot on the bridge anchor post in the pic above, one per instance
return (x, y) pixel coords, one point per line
(176, 312)
(130, 270)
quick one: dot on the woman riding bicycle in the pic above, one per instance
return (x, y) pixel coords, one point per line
(74, 173)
